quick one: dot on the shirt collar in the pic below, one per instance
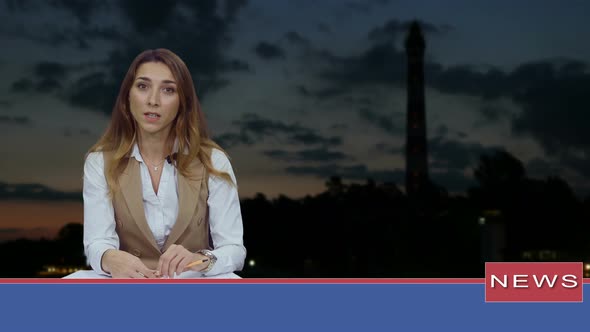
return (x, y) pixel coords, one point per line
(137, 155)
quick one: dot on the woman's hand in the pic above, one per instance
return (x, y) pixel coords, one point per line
(176, 258)
(122, 264)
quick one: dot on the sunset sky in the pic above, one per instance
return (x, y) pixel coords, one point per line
(297, 91)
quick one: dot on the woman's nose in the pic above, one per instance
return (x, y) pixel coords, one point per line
(153, 98)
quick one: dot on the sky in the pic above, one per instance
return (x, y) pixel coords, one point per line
(297, 91)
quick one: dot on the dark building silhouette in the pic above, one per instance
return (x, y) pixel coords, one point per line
(416, 148)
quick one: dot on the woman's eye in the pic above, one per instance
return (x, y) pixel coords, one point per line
(169, 90)
(141, 86)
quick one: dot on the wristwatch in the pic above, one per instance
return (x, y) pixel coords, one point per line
(212, 259)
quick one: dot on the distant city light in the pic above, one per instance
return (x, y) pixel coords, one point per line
(482, 220)
(251, 263)
(587, 266)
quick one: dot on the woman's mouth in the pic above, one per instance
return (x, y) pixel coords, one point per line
(151, 117)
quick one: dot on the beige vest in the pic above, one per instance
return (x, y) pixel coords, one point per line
(191, 229)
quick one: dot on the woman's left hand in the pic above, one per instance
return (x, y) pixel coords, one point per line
(176, 258)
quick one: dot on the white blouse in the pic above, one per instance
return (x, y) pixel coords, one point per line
(161, 210)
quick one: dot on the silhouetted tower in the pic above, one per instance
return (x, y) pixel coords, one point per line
(416, 148)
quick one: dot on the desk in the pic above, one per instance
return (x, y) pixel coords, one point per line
(90, 274)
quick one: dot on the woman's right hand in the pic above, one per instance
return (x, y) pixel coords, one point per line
(121, 264)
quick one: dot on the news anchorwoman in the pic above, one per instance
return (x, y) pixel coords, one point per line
(160, 197)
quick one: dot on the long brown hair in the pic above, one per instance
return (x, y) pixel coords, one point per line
(189, 126)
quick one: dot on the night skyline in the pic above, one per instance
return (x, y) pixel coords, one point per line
(298, 91)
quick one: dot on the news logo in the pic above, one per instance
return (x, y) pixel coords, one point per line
(534, 282)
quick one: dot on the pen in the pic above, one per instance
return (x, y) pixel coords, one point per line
(200, 261)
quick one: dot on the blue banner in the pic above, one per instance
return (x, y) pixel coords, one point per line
(275, 307)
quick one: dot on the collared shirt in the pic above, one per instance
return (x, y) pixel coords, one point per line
(161, 211)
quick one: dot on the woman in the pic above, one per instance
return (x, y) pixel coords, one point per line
(158, 193)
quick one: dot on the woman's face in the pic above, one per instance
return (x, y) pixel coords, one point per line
(154, 99)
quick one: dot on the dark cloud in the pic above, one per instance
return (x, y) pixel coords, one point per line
(35, 192)
(339, 126)
(15, 120)
(311, 155)
(455, 155)
(488, 83)
(309, 137)
(236, 65)
(93, 91)
(153, 17)
(381, 63)
(551, 94)
(229, 140)
(48, 85)
(322, 27)
(442, 130)
(392, 29)
(321, 94)
(47, 77)
(579, 162)
(354, 172)
(22, 85)
(453, 180)
(390, 149)
(72, 132)
(365, 6)
(296, 39)
(82, 10)
(6, 104)
(232, 8)
(268, 51)
(555, 107)
(393, 124)
(49, 70)
(493, 113)
(538, 167)
(198, 31)
(253, 128)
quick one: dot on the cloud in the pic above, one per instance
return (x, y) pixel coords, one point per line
(454, 155)
(93, 91)
(323, 27)
(392, 29)
(22, 85)
(268, 51)
(70, 132)
(353, 172)
(393, 124)
(47, 77)
(229, 140)
(390, 149)
(15, 120)
(321, 94)
(555, 107)
(380, 64)
(365, 6)
(297, 39)
(253, 128)
(551, 94)
(82, 10)
(310, 155)
(198, 31)
(47, 69)
(34, 191)
(155, 16)
(452, 180)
